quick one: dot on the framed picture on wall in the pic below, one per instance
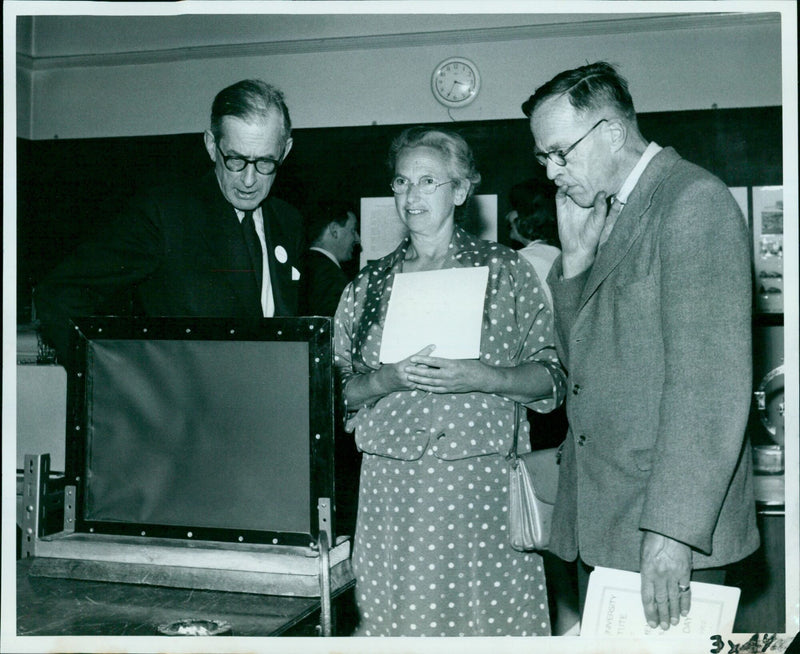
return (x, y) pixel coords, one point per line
(768, 247)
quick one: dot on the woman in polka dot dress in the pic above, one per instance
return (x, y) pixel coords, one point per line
(431, 553)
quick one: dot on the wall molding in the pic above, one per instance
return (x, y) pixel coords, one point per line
(602, 27)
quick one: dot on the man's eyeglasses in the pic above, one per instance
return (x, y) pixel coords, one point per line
(426, 184)
(558, 157)
(237, 164)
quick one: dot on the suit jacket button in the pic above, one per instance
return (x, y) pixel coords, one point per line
(576, 389)
(581, 439)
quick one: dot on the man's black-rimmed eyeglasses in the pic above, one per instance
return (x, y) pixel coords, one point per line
(558, 157)
(237, 164)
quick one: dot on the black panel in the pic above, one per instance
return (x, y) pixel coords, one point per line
(206, 429)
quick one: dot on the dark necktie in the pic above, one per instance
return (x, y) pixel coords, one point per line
(253, 246)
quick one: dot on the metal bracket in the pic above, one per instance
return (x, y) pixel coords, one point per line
(36, 472)
(69, 508)
(326, 603)
(324, 517)
(48, 504)
(324, 540)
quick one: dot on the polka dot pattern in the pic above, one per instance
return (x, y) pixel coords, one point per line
(431, 554)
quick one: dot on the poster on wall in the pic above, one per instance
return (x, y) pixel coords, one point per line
(382, 230)
(768, 247)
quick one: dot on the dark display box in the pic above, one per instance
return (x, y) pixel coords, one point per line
(202, 429)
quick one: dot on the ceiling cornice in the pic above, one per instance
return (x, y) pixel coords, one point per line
(603, 27)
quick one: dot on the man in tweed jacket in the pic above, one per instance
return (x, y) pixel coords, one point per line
(652, 300)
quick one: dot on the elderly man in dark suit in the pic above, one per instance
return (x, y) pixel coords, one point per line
(215, 246)
(333, 233)
(652, 302)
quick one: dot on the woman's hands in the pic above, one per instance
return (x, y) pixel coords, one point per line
(436, 375)
(366, 388)
(524, 382)
(397, 377)
(419, 372)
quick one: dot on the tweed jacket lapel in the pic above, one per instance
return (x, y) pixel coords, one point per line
(630, 222)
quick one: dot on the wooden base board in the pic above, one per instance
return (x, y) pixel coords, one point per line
(244, 568)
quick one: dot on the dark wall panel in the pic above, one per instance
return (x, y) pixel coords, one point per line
(69, 189)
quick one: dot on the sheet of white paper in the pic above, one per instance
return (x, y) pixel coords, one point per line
(440, 307)
(614, 607)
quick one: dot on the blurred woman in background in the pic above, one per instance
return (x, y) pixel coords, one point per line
(532, 223)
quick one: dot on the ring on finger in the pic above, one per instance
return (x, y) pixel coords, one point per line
(683, 588)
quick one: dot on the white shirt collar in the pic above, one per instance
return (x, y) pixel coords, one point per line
(633, 177)
(326, 253)
(256, 214)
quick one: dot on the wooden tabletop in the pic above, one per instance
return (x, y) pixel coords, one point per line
(49, 606)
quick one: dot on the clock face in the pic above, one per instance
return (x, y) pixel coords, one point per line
(455, 82)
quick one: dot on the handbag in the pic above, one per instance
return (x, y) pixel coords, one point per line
(532, 486)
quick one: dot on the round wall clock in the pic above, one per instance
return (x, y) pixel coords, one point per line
(455, 82)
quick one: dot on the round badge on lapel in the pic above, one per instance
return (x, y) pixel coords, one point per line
(280, 254)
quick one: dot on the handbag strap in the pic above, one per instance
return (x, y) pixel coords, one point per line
(512, 454)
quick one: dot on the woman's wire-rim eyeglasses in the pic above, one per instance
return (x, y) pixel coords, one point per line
(426, 184)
